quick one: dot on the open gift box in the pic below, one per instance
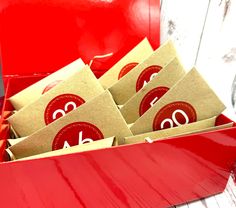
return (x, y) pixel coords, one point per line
(159, 174)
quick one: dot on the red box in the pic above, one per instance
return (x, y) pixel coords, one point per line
(36, 38)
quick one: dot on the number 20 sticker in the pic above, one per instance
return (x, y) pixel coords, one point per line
(60, 106)
(174, 114)
(75, 134)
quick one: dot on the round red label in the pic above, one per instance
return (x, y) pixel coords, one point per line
(51, 85)
(60, 106)
(75, 134)
(174, 114)
(146, 76)
(127, 68)
(151, 98)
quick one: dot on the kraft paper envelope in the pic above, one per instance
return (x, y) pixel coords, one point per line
(66, 96)
(137, 105)
(97, 119)
(151, 137)
(190, 100)
(165, 133)
(123, 66)
(143, 73)
(100, 144)
(12, 142)
(33, 92)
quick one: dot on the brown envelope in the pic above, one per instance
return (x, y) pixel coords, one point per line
(97, 119)
(100, 144)
(177, 131)
(146, 97)
(213, 128)
(142, 73)
(129, 61)
(165, 133)
(190, 100)
(66, 96)
(12, 142)
(33, 92)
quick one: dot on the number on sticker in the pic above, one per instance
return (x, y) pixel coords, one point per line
(63, 112)
(151, 78)
(174, 119)
(80, 140)
(153, 101)
(66, 145)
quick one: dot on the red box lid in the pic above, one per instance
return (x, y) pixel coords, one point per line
(42, 36)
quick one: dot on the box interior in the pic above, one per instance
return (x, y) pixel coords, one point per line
(187, 153)
(18, 83)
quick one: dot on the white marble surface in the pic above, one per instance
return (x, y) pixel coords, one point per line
(227, 199)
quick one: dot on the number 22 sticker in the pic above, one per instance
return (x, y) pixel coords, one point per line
(60, 106)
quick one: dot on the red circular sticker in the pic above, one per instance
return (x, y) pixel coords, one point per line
(151, 98)
(146, 76)
(51, 85)
(60, 106)
(127, 68)
(174, 114)
(75, 134)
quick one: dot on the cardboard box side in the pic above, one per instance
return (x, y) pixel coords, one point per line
(120, 164)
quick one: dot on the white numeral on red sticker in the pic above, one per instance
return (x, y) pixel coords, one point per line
(80, 140)
(63, 112)
(66, 145)
(153, 101)
(174, 119)
(151, 78)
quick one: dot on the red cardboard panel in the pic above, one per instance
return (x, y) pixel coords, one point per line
(168, 172)
(42, 36)
(2, 145)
